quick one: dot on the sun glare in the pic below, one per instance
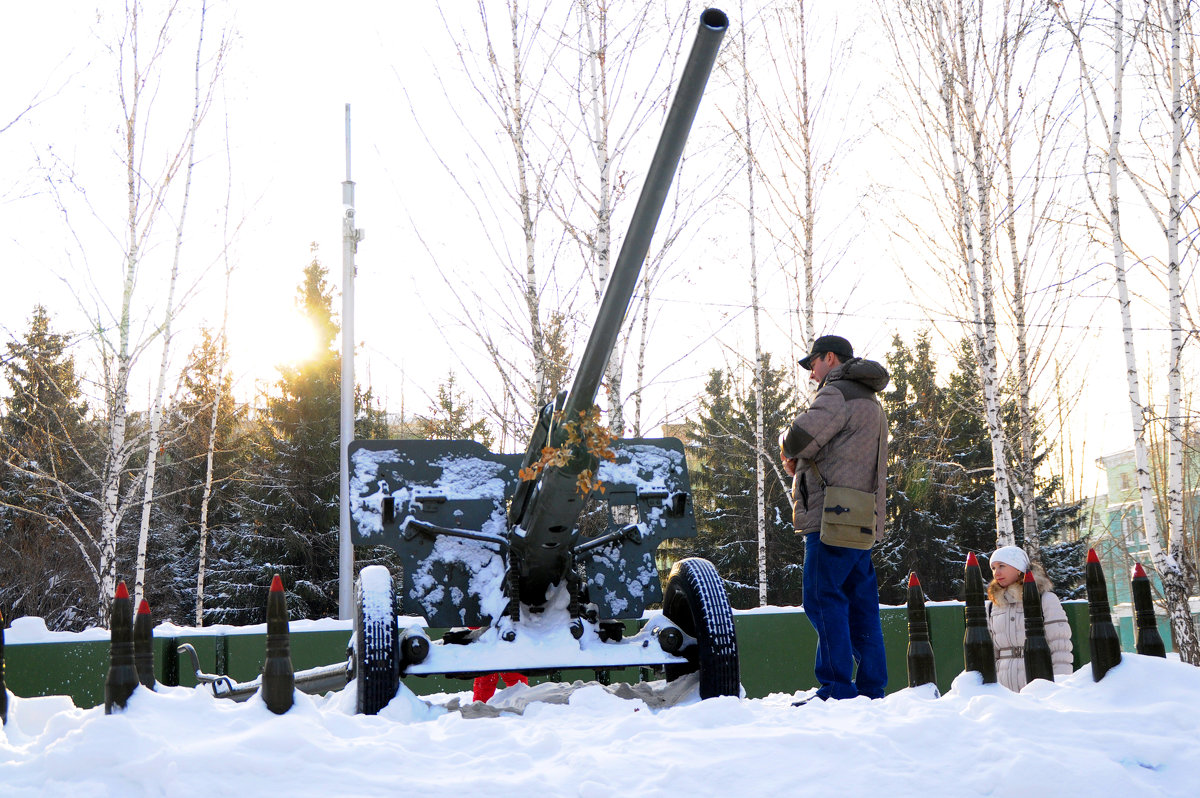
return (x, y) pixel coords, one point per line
(293, 340)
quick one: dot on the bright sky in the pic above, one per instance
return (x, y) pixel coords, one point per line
(290, 74)
(1136, 732)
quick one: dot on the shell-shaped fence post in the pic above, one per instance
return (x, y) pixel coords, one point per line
(978, 654)
(1103, 642)
(921, 669)
(1038, 662)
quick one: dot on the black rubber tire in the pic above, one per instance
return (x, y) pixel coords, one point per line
(377, 650)
(695, 601)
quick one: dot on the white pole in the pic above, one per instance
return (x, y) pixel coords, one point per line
(350, 238)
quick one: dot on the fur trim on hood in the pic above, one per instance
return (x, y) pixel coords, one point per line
(1014, 593)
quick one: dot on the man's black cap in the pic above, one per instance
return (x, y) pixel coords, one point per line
(828, 343)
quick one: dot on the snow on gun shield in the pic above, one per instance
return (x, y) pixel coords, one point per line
(569, 530)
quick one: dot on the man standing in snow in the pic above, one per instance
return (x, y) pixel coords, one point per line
(841, 441)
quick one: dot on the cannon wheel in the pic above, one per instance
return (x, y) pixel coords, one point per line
(377, 663)
(695, 601)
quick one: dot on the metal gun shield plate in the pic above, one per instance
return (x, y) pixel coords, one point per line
(441, 506)
(400, 491)
(646, 491)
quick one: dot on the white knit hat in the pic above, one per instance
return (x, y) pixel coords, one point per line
(1010, 555)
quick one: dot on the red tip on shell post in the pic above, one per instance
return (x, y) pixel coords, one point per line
(913, 581)
(144, 608)
(971, 558)
(122, 591)
(276, 584)
(1029, 576)
(1092, 557)
(1138, 571)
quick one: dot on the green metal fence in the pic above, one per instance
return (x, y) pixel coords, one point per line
(776, 648)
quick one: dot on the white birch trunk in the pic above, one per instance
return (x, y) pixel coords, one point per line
(206, 496)
(210, 449)
(516, 131)
(209, 456)
(1173, 573)
(602, 240)
(760, 449)
(953, 66)
(156, 413)
(1026, 476)
(989, 377)
(1174, 582)
(808, 220)
(117, 376)
(643, 340)
(951, 75)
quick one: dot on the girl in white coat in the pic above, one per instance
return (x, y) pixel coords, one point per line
(1006, 618)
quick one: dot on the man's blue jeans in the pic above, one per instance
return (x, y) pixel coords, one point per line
(841, 600)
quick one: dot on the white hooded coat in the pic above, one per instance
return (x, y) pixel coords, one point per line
(1006, 622)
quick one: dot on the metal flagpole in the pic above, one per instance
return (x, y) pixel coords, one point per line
(350, 238)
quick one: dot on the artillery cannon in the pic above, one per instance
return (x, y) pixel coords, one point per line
(537, 573)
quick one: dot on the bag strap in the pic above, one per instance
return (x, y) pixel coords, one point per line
(881, 460)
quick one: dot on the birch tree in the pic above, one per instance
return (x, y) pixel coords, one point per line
(746, 141)
(1166, 546)
(143, 55)
(578, 103)
(619, 98)
(214, 417)
(805, 108)
(203, 90)
(1177, 581)
(983, 83)
(508, 66)
(935, 55)
(1033, 137)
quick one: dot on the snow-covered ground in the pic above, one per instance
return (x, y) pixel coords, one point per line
(1137, 732)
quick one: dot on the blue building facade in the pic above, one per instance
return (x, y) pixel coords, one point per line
(1115, 530)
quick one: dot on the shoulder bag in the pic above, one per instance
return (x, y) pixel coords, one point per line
(848, 516)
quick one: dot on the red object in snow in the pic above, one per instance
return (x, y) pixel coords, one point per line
(485, 686)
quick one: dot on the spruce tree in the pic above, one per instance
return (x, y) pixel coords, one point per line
(451, 417)
(174, 561)
(940, 490)
(723, 488)
(46, 443)
(289, 521)
(939, 505)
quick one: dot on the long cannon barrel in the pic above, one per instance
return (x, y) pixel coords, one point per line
(548, 511)
(625, 272)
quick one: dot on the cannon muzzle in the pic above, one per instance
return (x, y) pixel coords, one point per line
(547, 511)
(623, 280)
(463, 518)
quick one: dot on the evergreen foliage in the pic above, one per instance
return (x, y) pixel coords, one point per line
(941, 502)
(940, 494)
(723, 490)
(289, 519)
(46, 440)
(173, 560)
(450, 417)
